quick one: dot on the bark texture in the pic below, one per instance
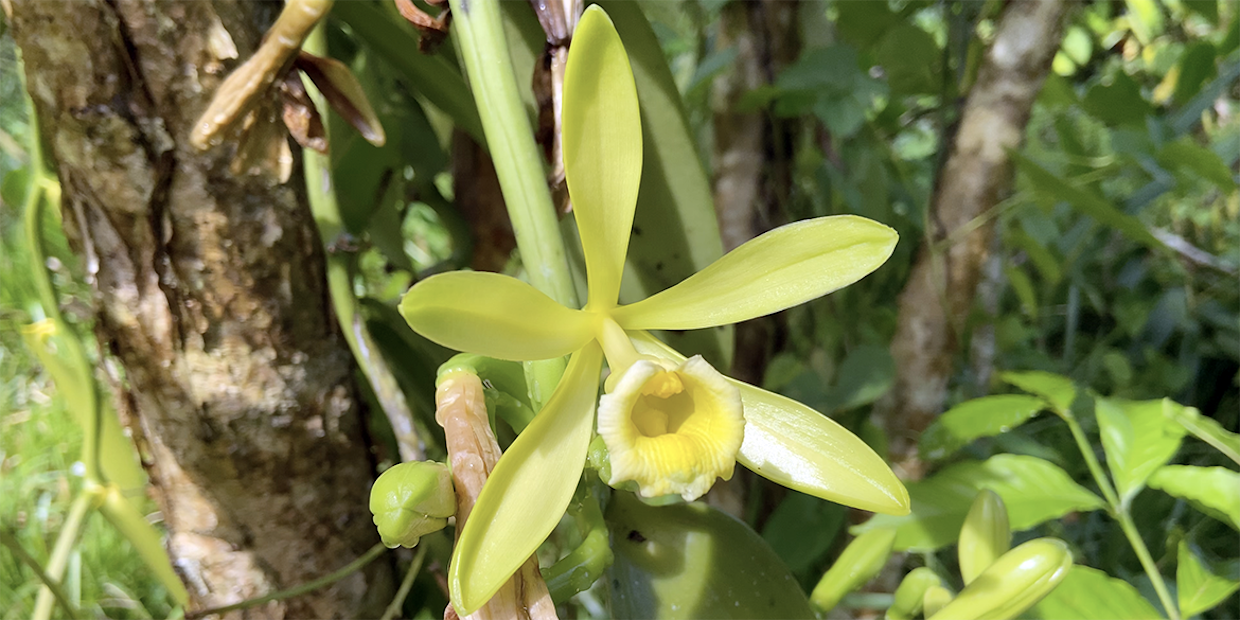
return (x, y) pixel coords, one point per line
(935, 303)
(210, 293)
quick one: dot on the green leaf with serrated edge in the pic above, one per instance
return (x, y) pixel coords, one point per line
(675, 233)
(1033, 490)
(692, 561)
(1208, 430)
(1090, 594)
(1212, 490)
(1056, 389)
(1197, 587)
(858, 563)
(980, 417)
(1087, 202)
(1137, 439)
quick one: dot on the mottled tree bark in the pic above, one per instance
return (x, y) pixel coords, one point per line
(941, 289)
(210, 293)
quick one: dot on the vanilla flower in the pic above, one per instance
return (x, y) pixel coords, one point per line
(671, 425)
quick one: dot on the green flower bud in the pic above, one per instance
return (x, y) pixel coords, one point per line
(935, 598)
(1012, 584)
(909, 597)
(861, 560)
(985, 536)
(411, 500)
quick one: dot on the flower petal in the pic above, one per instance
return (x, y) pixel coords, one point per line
(602, 150)
(529, 489)
(780, 269)
(493, 315)
(795, 446)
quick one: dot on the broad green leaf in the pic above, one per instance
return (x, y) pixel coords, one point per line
(1017, 580)
(1208, 430)
(780, 269)
(802, 529)
(1056, 389)
(911, 60)
(1117, 100)
(675, 231)
(1137, 438)
(1212, 490)
(692, 561)
(1197, 587)
(1090, 594)
(1033, 490)
(1196, 67)
(1087, 202)
(796, 447)
(602, 150)
(858, 563)
(529, 489)
(493, 315)
(985, 536)
(865, 375)
(980, 417)
(1186, 154)
(146, 540)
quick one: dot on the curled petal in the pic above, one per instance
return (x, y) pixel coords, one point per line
(493, 315)
(795, 446)
(602, 150)
(529, 489)
(780, 269)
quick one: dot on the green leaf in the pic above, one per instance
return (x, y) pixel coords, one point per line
(863, 377)
(1138, 439)
(1197, 587)
(802, 529)
(1117, 100)
(675, 232)
(1033, 490)
(602, 150)
(912, 60)
(692, 561)
(1090, 594)
(980, 417)
(1196, 67)
(863, 23)
(1058, 390)
(1208, 430)
(1186, 154)
(1023, 287)
(1212, 490)
(1086, 202)
(1205, 8)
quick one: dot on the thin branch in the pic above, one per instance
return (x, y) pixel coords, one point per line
(398, 601)
(12, 543)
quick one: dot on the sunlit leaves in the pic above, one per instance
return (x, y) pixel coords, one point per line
(1197, 586)
(1090, 594)
(1213, 490)
(980, 417)
(1138, 439)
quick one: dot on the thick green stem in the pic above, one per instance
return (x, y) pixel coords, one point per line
(321, 194)
(479, 34)
(65, 542)
(304, 588)
(52, 585)
(518, 164)
(1119, 511)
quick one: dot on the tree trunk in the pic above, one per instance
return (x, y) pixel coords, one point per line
(210, 293)
(935, 303)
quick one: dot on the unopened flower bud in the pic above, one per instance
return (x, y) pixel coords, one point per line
(1013, 583)
(411, 500)
(985, 536)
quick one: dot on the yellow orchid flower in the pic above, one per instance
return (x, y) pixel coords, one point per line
(672, 425)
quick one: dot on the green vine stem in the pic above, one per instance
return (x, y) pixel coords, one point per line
(10, 541)
(295, 591)
(1119, 511)
(82, 505)
(577, 571)
(415, 567)
(321, 194)
(479, 35)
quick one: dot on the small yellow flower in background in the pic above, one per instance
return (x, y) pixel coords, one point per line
(672, 428)
(671, 425)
